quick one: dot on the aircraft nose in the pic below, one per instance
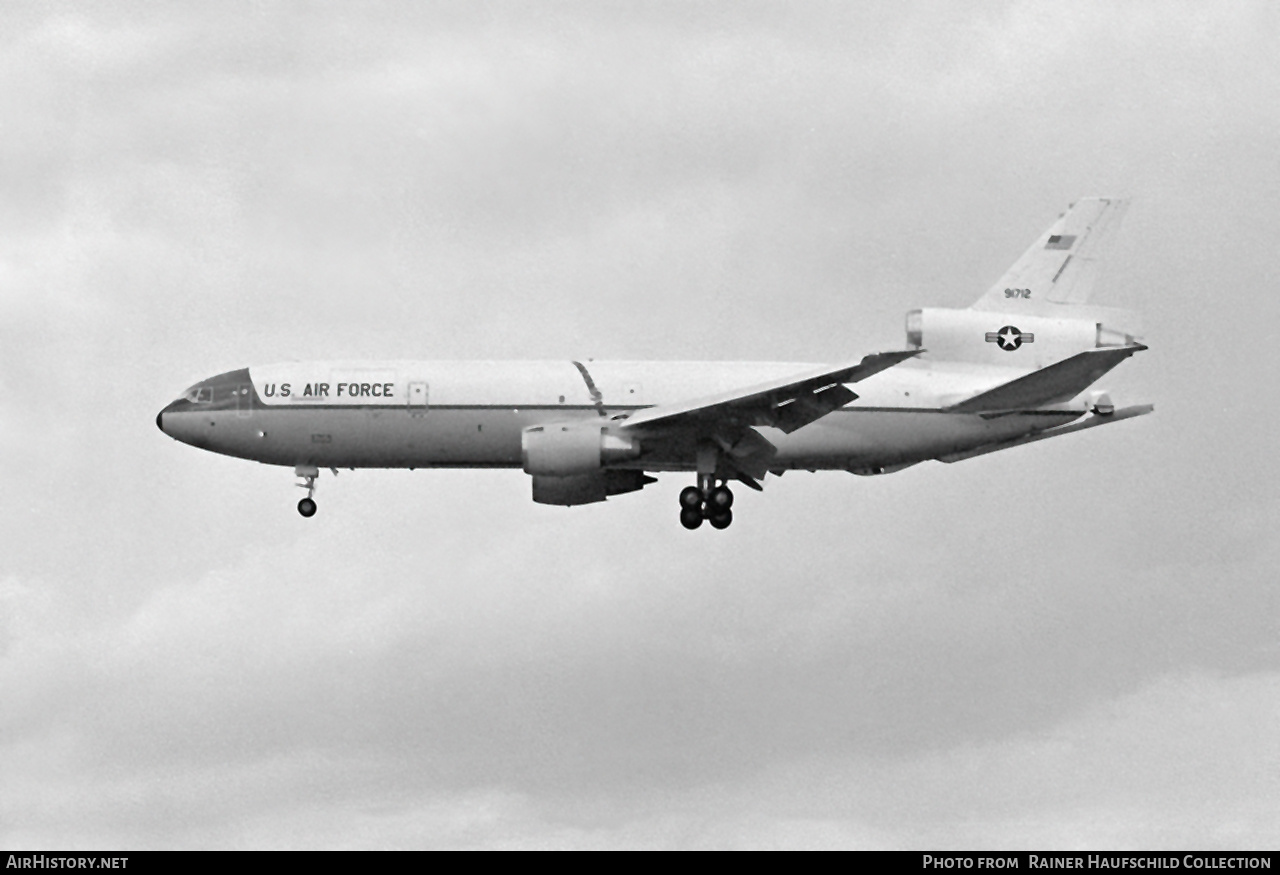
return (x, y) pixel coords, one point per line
(172, 405)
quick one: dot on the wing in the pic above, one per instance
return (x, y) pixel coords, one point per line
(1060, 381)
(726, 420)
(787, 404)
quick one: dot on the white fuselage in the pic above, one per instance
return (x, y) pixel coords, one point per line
(409, 414)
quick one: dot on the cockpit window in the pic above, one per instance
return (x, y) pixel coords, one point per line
(199, 394)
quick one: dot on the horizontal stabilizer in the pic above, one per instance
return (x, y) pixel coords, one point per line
(1092, 422)
(1056, 383)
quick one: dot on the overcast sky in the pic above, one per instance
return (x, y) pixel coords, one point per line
(1069, 645)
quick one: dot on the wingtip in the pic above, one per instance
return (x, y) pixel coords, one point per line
(897, 354)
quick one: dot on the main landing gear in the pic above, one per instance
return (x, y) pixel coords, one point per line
(708, 500)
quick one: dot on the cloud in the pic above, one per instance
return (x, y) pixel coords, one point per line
(954, 654)
(1183, 761)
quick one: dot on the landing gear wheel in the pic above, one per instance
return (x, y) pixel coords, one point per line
(721, 498)
(691, 517)
(308, 473)
(690, 497)
(721, 519)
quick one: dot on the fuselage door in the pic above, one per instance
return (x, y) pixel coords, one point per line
(244, 399)
(417, 396)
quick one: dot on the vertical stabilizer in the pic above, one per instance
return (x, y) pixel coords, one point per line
(1062, 265)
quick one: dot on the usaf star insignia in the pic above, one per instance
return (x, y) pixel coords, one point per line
(1010, 338)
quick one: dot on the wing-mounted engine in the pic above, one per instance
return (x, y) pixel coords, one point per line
(566, 448)
(587, 488)
(1013, 340)
(568, 462)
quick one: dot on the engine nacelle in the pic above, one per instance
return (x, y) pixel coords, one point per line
(568, 448)
(587, 488)
(987, 337)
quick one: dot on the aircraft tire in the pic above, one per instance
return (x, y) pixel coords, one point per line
(721, 498)
(691, 517)
(722, 519)
(307, 507)
(690, 497)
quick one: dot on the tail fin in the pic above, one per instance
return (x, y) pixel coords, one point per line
(1039, 312)
(1062, 265)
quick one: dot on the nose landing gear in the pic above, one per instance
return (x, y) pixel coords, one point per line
(707, 501)
(308, 473)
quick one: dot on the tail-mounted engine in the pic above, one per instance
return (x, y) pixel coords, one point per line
(1011, 339)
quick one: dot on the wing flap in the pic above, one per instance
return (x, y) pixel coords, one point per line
(751, 456)
(1058, 382)
(787, 404)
